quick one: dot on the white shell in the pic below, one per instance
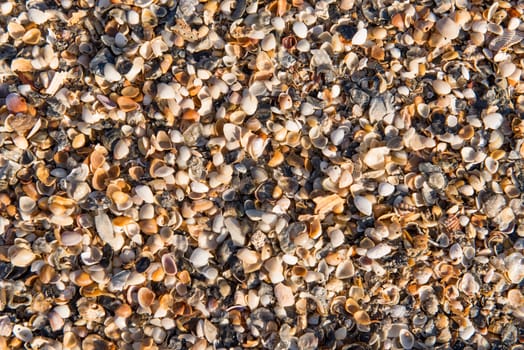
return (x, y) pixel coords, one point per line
(506, 69)
(378, 251)
(360, 37)
(448, 28)
(165, 91)
(145, 193)
(284, 295)
(375, 157)
(385, 189)
(249, 103)
(71, 238)
(337, 136)
(268, 43)
(363, 205)
(300, 29)
(199, 257)
(111, 74)
(441, 87)
(345, 269)
(407, 340)
(22, 333)
(20, 256)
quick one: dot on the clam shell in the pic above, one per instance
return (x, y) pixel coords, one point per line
(284, 295)
(71, 238)
(448, 28)
(363, 205)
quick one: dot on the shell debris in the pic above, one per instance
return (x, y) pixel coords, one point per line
(284, 174)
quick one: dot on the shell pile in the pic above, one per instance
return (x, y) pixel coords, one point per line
(287, 174)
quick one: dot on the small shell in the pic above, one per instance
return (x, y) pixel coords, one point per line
(448, 28)
(169, 264)
(300, 29)
(345, 270)
(441, 87)
(111, 74)
(22, 333)
(406, 338)
(20, 256)
(363, 205)
(32, 36)
(199, 257)
(15, 103)
(378, 251)
(71, 238)
(362, 318)
(145, 297)
(284, 295)
(360, 37)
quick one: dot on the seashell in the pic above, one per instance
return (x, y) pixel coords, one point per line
(360, 37)
(26, 204)
(248, 256)
(300, 30)
(507, 68)
(121, 150)
(21, 65)
(385, 189)
(375, 157)
(448, 28)
(165, 91)
(104, 229)
(469, 285)
(111, 74)
(199, 257)
(363, 205)
(284, 295)
(406, 339)
(145, 193)
(362, 318)
(268, 43)
(337, 136)
(55, 321)
(145, 297)
(71, 238)
(37, 16)
(21, 257)
(126, 104)
(345, 270)
(32, 36)
(275, 269)
(15, 103)
(22, 333)
(378, 251)
(249, 103)
(169, 264)
(441, 87)
(493, 120)
(15, 30)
